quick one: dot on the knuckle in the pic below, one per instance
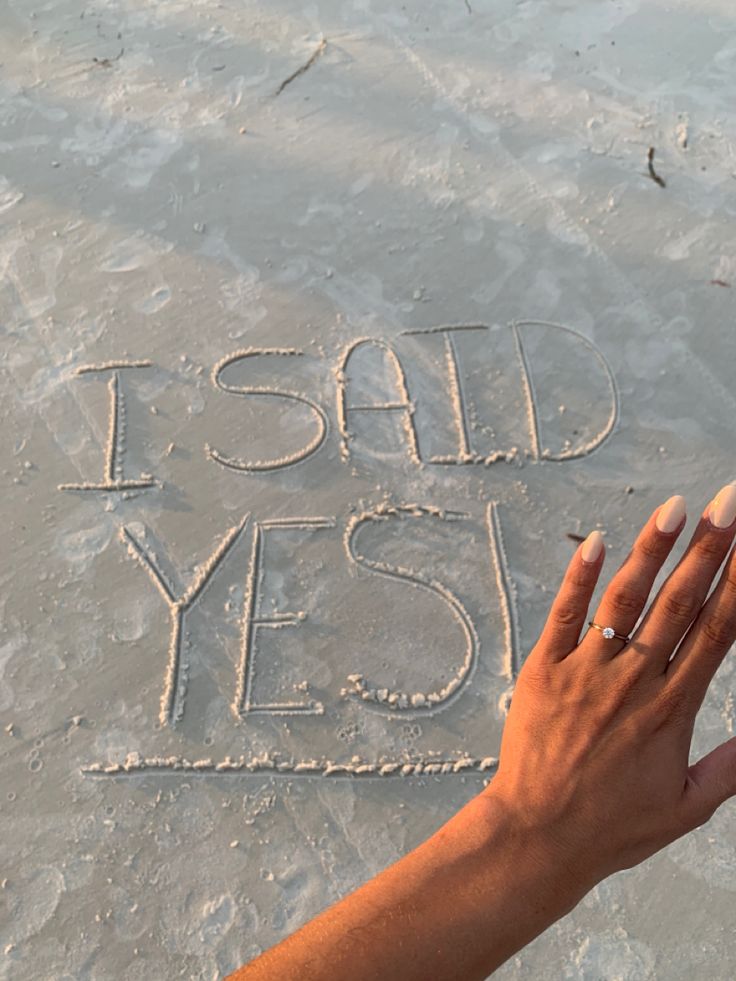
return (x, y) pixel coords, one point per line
(626, 599)
(566, 616)
(718, 630)
(652, 547)
(681, 606)
(578, 580)
(710, 547)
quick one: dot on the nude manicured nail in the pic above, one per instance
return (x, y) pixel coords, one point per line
(671, 514)
(723, 508)
(592, 547)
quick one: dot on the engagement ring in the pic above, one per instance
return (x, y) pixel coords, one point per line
(608, 632)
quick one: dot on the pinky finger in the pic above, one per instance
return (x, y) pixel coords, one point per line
(569, 610)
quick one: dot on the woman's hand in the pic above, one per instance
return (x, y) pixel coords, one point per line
(594, 753)
(593, 775)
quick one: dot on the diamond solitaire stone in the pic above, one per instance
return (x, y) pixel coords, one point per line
(609, 633)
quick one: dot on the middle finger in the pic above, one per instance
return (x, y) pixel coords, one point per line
(627, 593)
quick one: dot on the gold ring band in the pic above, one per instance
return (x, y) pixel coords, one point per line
(608, 632)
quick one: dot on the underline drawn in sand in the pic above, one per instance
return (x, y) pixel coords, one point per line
(177, 667)
(402, 404)
(114, 479)
(423, 702)
(254, 621)
(233, 463)
(271, 765)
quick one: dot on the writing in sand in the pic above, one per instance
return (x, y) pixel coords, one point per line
(423, 409)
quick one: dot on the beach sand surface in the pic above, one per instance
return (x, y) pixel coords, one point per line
(326, 327)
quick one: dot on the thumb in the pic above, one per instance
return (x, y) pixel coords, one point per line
(711, 782)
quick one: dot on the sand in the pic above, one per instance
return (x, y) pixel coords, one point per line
(325, 326)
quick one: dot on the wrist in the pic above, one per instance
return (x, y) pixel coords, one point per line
(522, 860)
(511, 883)
(547, 846)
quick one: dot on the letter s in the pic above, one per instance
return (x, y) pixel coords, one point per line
(397, 700)
(286, 461)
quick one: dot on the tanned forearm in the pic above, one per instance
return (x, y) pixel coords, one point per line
(453, 909)
(593, 776)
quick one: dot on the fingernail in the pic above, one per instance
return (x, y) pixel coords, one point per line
(671, 514)
(723, 508)
(592, 547)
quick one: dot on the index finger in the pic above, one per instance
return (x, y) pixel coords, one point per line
(570, 606)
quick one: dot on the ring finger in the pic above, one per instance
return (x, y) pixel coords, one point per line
(628, 591)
